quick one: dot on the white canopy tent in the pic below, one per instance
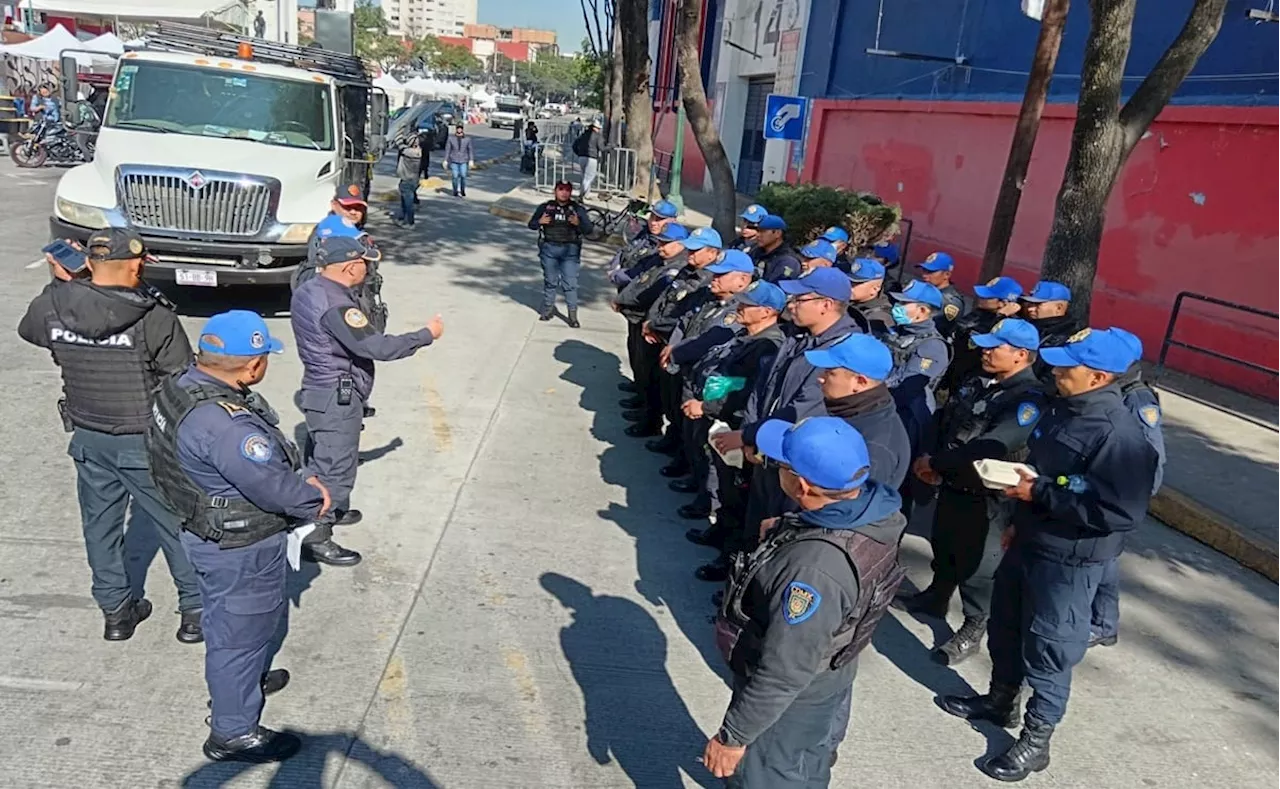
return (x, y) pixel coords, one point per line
(107, 42)
(452, 89)
(484, 100)
(420, 86)
(394, 89)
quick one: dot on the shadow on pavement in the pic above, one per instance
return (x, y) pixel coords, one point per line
(655, 746)
(306, 770)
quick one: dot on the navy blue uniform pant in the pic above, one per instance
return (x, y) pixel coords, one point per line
(1106, 603)
(695, 452)
(795, 752)
(112, 477)
(560, 264)
(966, 547)
(333, 447)
(1039, 627)
(243, 590)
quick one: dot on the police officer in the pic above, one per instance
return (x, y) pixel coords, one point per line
(633, 303)
(889, 255)
(1046, 306)
(993, 301)
(936, 270)
(838, 237)
(818, 305)
(113, 341)
(338, 348)
(711, 320)
(920, 356)
(817, 254)
(1143, 401)
(641, 248)
(561, 224)
(800, 608)
(870, 305)
(751, 217)
(774, 257)
(347, 214)
(987, 418)
(222, 463)
(1095, 473)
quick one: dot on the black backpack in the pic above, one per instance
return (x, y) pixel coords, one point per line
(580, 145)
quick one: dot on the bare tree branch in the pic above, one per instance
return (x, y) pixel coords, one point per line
(1201, 28)
(586, 20)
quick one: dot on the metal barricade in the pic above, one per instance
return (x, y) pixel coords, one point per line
(1169, 342)
(615, 173)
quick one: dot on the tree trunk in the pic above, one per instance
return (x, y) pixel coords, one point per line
(694, 96)
(616, 68)
(634, 18)
(1105, 134)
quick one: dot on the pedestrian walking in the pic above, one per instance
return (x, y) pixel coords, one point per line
(459, 157)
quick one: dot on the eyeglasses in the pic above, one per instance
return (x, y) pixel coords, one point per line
(803, 299)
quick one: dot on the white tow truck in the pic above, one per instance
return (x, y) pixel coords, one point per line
(509, 114)
(223, 152)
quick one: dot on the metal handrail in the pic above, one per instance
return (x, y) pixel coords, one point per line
(1169, 342)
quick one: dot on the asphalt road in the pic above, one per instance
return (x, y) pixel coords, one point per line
(525, 615)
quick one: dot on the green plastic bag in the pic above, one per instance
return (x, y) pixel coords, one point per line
(718, 387)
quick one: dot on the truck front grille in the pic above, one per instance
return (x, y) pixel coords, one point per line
(195, 203)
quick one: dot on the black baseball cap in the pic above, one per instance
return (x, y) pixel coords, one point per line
(350, 196)
(116, 243)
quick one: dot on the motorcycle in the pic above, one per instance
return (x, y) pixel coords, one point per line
(46, 143)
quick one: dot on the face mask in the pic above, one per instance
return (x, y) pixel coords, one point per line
(900, 315)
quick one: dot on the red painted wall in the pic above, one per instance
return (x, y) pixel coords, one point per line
(695, 167)
(1194, 209)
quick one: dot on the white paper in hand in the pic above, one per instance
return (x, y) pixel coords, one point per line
(734, 456)
(293, 545)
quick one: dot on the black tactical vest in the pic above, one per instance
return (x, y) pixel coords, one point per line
(232, 523)
(875, 565)
(108, 381)
(903, 347)
(560, 231)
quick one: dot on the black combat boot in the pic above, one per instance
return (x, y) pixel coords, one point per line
(1000, 706)
(1030, 754)
(716, 570)
(348, 517)
(189, 630)
(331, 553)
(258, 747)
(964, 643)
(675, 469)
(667, 445)
(634, 401)
(628, 386)
(573, 319)
(118, 625)
(932, 601)
(636, 415)
(546, 314)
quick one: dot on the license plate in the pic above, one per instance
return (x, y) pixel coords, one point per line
(195, 276)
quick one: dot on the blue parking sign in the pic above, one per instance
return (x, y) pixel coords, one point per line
(784, 117)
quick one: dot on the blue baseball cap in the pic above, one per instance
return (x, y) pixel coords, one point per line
(344, 249)
(703, 237)
(732, 260)
(763, 294)
(937, 261)
(664, 209)
(1098, 349)
(824, 281)
(1130, 339)
(836, 235)
(754, 213)
(1009, 331)
(674, 232)
(824, 450)
(820, 249)
(772, 222)
(238, 333)
(887, 250)
(1046, 290)
(865, 270)
(860, 353)
(1002, 288)
(921, 293)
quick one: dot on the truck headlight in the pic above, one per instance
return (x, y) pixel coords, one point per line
(80, 214)
(297, 234)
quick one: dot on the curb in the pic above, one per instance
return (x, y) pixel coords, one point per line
(506, 157)
(1181, 512)
(433, 182)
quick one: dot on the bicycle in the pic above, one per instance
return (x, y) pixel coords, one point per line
(605, 222)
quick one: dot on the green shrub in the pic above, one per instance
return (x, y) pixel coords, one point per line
(809, 209)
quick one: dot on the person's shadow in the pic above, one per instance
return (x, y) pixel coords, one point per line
(306, 770)
(634, 714)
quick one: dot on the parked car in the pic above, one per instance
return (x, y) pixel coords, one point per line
(438, 118)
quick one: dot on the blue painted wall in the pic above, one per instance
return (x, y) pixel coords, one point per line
(1238, 69)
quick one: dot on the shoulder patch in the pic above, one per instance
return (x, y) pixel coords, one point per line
(232, 409)
(730, 319)
(802, 602)
(354, 318)
(256, 447)
(1027, 413)
(1150, 415)
(951, 311)
(925, 363)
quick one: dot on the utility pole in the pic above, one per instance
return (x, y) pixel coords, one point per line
(677, 158)
(1053, 19)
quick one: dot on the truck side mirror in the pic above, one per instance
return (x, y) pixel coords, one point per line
(377, 123)
(70, 82)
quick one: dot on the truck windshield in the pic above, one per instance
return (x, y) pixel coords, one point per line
(514, 107)
(204, 102)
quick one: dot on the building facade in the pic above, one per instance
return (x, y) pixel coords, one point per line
(418, 18)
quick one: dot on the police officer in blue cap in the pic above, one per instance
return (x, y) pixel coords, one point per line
(223, 465)
(800, 608)
(817, 254)
(643, 245)
(1094, 474)
(818, 306)
(870, 305)
(774, 257)
(887, 252)
(994, 301)
(1047, 306)
(347, 214)
(338, 347)
(838, 237)
(936, 270)
(1143, 401)
(746, 237)
(920, 356)
(990, 416)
